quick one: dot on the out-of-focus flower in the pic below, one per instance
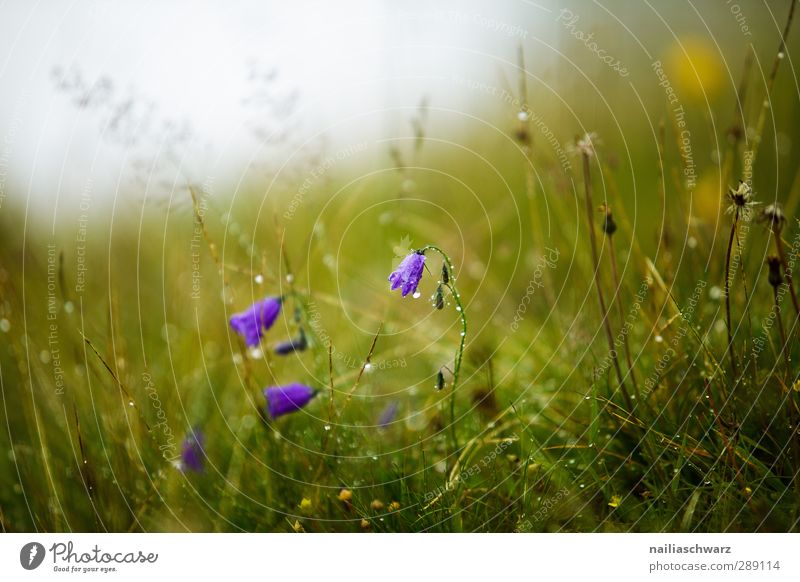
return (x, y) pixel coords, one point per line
(696, 67)
(394, 506)
(258, 318)
(387, 415)
(775, 277)
(305, 504)
(774, 217)
(192, 453)
(408, 273)
(285, 399)
(615, 501)
(297, 344)
(609, 225)
(585, 145)
(345, 495)
(376, 505)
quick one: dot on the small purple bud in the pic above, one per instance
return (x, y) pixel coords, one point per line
(286, 399)
(253, 322)
(192, 452)
(438, 298)
(297, 344)
(408, 273)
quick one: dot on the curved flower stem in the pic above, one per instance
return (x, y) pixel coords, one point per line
(450, 284)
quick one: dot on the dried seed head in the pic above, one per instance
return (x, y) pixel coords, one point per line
(775, 277)
(774, 217)
(585, 145)
(609, 226)
(741, 199)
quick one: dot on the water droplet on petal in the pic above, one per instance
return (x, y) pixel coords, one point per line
(416, 295)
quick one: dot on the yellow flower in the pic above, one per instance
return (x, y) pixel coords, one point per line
(345, 495)
(696, 67)
(615, 500)
(305, 504)
(376, 505)
(796, 385)
(364, 524)
(394, 506)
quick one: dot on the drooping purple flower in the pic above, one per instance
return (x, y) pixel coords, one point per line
(297, 344)
(388, 414)
(285, 399)
(192, 452)
(252, 323)
(408, 273)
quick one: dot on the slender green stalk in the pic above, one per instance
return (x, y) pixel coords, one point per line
(450, 284)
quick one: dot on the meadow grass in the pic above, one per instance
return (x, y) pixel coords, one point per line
(643, 378)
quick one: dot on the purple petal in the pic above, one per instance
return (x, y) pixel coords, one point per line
(192, 452)
(297, 344)
(253, 322)
(408, 274)
(286, 399)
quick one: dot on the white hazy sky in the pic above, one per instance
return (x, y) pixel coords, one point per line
(192, 60)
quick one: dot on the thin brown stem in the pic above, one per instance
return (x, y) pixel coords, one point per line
(787, 272)
(784, 346)
(731, 351)
(596, 264)
(616, 299)
(779, 56)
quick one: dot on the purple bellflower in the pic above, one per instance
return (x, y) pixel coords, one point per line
(286, 399)
(253, 322)
(192, 452)
(388, 414)
(408, 273)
